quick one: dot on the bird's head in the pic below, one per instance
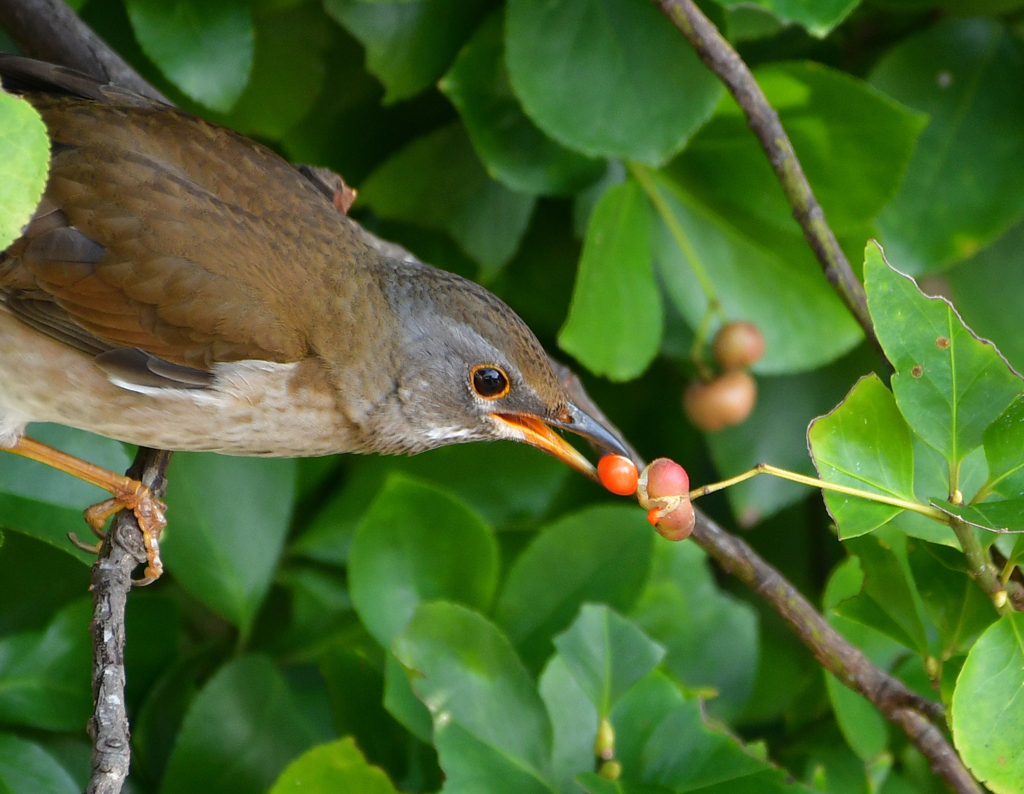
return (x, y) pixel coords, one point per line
(471, 370)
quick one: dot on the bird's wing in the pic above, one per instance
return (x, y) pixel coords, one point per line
(163, 232)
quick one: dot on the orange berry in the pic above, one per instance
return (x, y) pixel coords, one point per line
(617, 474)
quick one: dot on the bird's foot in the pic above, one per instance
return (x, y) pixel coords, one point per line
(149, 513)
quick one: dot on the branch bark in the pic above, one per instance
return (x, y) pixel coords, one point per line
(719, 56)
(49, 30)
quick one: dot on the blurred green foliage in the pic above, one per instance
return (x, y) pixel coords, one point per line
(471, 617)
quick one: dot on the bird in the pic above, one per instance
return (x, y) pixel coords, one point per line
(183, 287)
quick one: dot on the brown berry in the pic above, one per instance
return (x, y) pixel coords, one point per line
(724, 402)
(676, 525)
(665, 477)
(737, 345)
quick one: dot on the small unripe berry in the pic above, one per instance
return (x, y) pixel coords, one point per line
(737, 345)
(617, 474)
(724, 402)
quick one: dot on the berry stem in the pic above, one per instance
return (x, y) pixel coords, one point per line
(766, 468)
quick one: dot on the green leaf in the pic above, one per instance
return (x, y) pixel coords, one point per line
(886, 601)
(608, 78)
(437, 182)
(949, 384)
(615, 322)
(204, 47)
(44, 675)
(409, 44)
(987, 290)
(335, 768)
(863, 443)
(988, 706)
(416, 543)
(776, 432)
(573, 722)
(26, 768)
(224, 550)
(1006, 515)
(864, 729)
(47, 504)
(511, 146)
(853, 142)
(468, 672)
(593, 783)
(402, 703)
(25, 154)
(288, 71)
(600, 554)
(606, 654)
(241, 731)
(638, 714)
(1004, 440)
(760, 274)
(962, 188)
(711, 636)
(955, 604)
(818, 17)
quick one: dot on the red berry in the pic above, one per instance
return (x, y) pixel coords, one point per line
(617, 474)
(666, 478)
(724, 402)
(737, 345)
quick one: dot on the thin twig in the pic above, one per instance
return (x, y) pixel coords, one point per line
(121, 552)
(979, 567)
(719, 56)
(916, 715)
(49, 30)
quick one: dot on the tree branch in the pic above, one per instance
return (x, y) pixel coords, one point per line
(891, 697)
(49, 30)
(719, 56)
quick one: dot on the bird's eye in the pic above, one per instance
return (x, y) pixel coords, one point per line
(489, 382)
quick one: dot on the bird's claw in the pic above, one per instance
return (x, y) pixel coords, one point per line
(150, 514)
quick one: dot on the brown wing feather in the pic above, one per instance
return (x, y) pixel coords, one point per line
(165, 232)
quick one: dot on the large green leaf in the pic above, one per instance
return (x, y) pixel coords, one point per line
(760, 274)
(776, 433)
(240, 732)
(600, 554)
(818, 16)
(615, 321)
(439, 183)
(949, 384)
(25, 154)
(44, 675)
(288, 70)
(416, 543)
(335, 768)
(26, 768)
(224, 551)
(987, 291)
(864, 443)
(511, 146)
(204, 47)
(711, 636)
(574, 722)
(1004, 443)
(963, 187)
(606, 654)
(46, 503)
(490, 727)
(607, 77)
(988, 706)
(408, 44)
(853, 143)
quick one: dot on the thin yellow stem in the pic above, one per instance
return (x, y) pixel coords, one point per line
(642, 174)
(766, 468)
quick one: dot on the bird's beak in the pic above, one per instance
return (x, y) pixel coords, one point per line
(539, 433)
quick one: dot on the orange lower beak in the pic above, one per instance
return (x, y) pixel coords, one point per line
(536, 433)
